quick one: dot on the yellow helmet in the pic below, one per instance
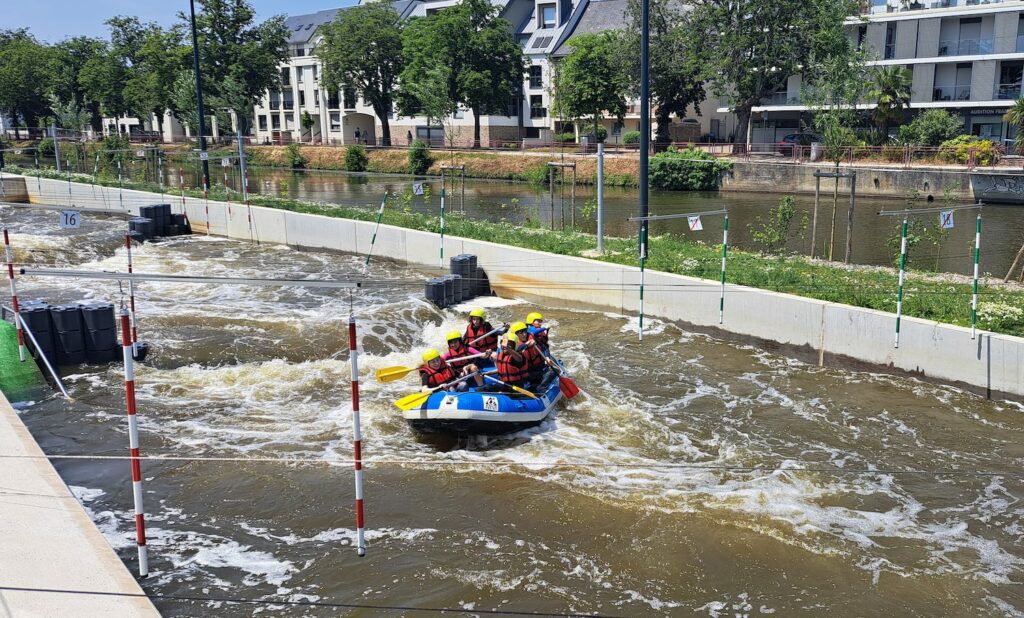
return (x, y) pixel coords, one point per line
(478, 313)
(533, 317)
(453, 334)
(516, 327)
(511, 340)
(431, 354)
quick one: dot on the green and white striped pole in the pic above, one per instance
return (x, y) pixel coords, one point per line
(903, 266)
(974, 293)
(643, 262)
(442, 222)
(376, 226)
(725, 252)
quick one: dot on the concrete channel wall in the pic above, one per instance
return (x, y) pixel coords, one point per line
(826, 333)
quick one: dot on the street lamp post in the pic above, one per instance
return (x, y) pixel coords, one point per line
(199, 99)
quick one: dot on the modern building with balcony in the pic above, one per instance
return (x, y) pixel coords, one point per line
(966, 56)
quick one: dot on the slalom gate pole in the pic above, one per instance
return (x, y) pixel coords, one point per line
(120, 189)
(725, 252)
(133, 443)
(181, 187)
(39, 183)
(442, 221)
(67, 165)
(357, 439)
(9, 253)
(643, 263)
(903, 266)
(131, 298)
(376, 226)
(95, 170)
(160, 172)
(974, 291)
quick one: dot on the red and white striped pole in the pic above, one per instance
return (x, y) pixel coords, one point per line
(131, 298)
(14, 295)
(357, 441)
(133, 443)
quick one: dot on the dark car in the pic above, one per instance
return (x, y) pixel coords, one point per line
(787, 143)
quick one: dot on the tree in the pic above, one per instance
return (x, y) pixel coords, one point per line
(748, 49)
(183, 99)
(362, 48)
(891, 89)
(932, 128)
(484, 62)
(102, 78)
(307, 123)
(676, 81)
(23, 77)
(239, 59)
(155, 65)
(1015, 116)
(431, 96)
(589, 81)
(67, 87)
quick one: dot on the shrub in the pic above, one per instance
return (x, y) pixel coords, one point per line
(958, 150)
(294, 156)
(419, 157)
(565, 138)
(631, 137)
(774, 233)
(46, 147)
(602, 133)
(690, 169)
(356, 159)
(999, 316)
(931, 128)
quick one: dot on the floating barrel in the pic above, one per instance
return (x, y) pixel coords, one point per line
(471, 271)
(449, 290)
(141, 350)
(173, 230)
(460, 265)
(460, 292)
(143, 226)
(35, 315)
(434, 292)
(182, 222)
(100, 333)
(98, 316)
(483, 286)
(68, 335)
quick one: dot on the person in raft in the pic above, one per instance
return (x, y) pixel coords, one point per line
(455, 357)
(538, 332)
(478, 327)
(536, 362)
(434, 372)
(510, 364)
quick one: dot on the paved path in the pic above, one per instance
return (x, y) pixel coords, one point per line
(53, 560)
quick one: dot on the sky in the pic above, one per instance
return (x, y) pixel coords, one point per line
(54, 20)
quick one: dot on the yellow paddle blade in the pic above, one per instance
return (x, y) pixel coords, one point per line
(390, 374)
(414, 400)
(523, 391)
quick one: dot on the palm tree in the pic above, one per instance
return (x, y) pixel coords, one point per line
(892, 90)
(1015, 116)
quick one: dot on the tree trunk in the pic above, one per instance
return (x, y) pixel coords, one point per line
(597, 138)
(739, 139)
(385, 130)
(662, 135)
(476, 128)
(95, 119)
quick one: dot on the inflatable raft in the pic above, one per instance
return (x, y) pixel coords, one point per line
(479, 412)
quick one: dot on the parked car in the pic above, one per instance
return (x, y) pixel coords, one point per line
(805, 139)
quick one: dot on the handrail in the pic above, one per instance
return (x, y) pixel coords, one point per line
(42, 355)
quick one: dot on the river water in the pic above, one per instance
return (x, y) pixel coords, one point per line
(872, 494)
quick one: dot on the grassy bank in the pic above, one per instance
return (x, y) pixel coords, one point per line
(620, 172)
(942, 298)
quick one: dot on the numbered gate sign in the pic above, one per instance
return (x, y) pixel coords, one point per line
(695, 224)
(140, 154)
(70, 219)
(417, 188)
(204, 156)
(225, 162)
(946, 219)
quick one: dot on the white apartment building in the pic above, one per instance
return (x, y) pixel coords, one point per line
(966, 56)
(541, 26)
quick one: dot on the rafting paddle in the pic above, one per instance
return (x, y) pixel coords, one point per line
(415, 400)
(521, 391)
(569, 388)
(500, 329)
(390, 374)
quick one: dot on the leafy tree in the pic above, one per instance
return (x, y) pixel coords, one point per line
(356, 159)
(1015, 116)
(932, 128)
(23, 77)
(67, 87)
(239, 59)
(362, 48)
(484, 62)
(307, 123)
(676, 79)
(183, 99)
(747, 49)
(590, 81)
(777, 230)
(891, 91)
(419, 158)
(103, 77)
(431, 95)
(155, 65)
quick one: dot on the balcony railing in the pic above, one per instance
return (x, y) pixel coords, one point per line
(875, 7)
(781, 98)
(1008, 92)
(966, 47)
(952, 93)
(538, 112)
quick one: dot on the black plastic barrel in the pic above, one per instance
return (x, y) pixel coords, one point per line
(98, 316)
(141, 351)
(449, 290)
(461, 293)
(69, 339)
(100, 332)
(433, 291)
(471, 271)
(460, 265)
(36, 318)
(173, 230)
(179, 220)
(483, 286)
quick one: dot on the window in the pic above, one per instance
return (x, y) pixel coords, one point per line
(298, 74)
(275, 101)
(349, 98)
(335, 122)
(275, 122)
(316, 98)
(531, 132)
(316, 73)
(537, 109)
(862, 33)
(617, 128)
(536, 77)
(332, 100)
(302, 98)
(890, 41)
(263, 123)
(547, 16)
(286, 77)
(289, 122)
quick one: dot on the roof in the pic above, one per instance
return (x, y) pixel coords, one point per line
(596, 16)
(301, 28)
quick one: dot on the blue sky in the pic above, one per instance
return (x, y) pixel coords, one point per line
(53, 20)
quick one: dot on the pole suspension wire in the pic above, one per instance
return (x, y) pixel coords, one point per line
(114, 276)
(680, 215)
(921, 211)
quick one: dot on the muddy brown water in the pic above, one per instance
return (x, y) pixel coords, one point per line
(814, 491)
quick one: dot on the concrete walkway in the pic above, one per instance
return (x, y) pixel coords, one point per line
(53, 560)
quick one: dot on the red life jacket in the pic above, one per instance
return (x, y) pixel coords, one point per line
(540, 336)
(534, 358)
(487, 343)
(510, 370)
(454, 356)
(437, 377)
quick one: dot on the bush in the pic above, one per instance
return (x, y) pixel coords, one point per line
(356, 159)
(295, 158)
(999, 316)
(565, 138)
(690, 169)
(931, 128)
(631, 137)
(602, 133)
(774, 233)
(419, 157)
(45, 147)
(959, 149)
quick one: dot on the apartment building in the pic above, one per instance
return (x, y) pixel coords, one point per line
(966, 56)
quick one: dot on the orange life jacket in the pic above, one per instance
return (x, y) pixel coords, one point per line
(511, 367)
(432, 377)
(534, 358)
(454, 356)
(487, 343)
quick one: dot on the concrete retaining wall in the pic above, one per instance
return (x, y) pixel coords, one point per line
(826, 332)
(13, 189)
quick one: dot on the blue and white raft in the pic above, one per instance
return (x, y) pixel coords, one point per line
(474, 412)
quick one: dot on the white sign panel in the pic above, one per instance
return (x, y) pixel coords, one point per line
(204, 156)
(417, 188)
(695, 224)
(946, 219)
(70, 219)
(225, 162)
(140, 154)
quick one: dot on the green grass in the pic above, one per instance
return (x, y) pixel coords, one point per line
(926, 295)
(18, 380)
